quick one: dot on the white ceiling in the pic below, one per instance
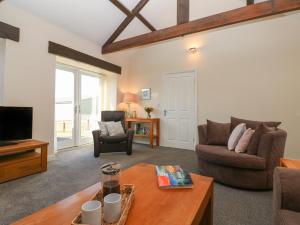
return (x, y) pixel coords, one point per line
(96, 20)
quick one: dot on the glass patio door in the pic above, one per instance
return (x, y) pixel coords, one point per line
(64, 107)
(90, 106)
(78, 98)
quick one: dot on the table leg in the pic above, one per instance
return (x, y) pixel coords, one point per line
(157, 134)
(151, 135)
(207, 218)
(44, 156)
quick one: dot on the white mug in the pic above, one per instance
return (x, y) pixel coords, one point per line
(112, 208)
(91, 213)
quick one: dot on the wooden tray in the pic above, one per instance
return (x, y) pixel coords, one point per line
(127, 191)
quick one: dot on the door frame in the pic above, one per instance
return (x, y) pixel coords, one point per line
(195, 72)
(67, 145)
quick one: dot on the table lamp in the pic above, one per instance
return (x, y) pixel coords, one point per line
(129, 98)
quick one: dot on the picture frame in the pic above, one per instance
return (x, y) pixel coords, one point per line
(146, 94)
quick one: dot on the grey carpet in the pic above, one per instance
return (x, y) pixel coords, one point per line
(75, 170)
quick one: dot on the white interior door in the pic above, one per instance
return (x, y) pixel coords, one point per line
(179, 104)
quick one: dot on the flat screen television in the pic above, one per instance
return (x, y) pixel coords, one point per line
(15, 124)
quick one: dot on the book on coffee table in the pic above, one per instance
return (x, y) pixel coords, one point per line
(173, 177)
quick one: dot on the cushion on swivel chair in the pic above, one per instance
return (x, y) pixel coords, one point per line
(236, 135)
(221, 156)
(251, 123)
(217, 133)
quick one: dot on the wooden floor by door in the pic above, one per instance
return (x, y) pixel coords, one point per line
(179, 104)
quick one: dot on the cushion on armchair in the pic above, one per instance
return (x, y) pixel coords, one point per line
(103, 128)
(115, 128)
(114, 139)
(111, 128)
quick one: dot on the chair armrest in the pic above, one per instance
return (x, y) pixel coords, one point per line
(130, 133)
(96, 135)
(202, 134)
(96, 138)
(286, 189)
(271, 147)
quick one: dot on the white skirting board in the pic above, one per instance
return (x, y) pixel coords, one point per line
(51, 157)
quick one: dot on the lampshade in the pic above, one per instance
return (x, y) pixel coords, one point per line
(129, 98)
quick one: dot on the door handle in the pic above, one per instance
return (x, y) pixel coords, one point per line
(165, 112)
(77, 109)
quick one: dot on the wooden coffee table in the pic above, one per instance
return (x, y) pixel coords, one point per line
(151, 206)
(290, 163)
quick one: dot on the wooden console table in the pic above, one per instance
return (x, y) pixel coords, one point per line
(22, 159)
(290, 163)
(154, 123)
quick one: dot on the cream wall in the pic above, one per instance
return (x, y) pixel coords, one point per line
(2, 55)
(249, 71)
(29, 78)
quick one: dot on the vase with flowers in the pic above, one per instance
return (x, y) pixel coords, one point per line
(148, 110)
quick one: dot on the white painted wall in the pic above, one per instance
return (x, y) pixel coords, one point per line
(29, 78)
(2, 57)
(250, 70)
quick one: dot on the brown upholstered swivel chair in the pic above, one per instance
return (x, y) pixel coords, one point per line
(241, 170)
(121, 143)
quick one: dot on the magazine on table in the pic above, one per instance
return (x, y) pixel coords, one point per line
(173, 177)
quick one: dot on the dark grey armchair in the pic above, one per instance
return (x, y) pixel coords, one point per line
(121, 143)
(286, 196)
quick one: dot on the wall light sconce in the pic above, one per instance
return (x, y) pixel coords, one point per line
(193, 50)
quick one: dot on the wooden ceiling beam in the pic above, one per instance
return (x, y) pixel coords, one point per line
(9, 32)
(70, 53)
(250, 2)
(247, 13)
(126, 21)
(120, 6)
(183, 11)
(145, 22)
(127, 12)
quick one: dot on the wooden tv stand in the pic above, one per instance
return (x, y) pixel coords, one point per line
(23, 159)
